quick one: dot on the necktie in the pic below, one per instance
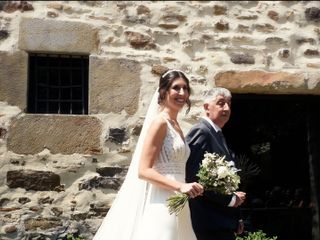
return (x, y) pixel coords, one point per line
(223, 140)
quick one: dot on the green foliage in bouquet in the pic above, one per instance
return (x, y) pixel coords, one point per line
(215, 174)
(259, 235)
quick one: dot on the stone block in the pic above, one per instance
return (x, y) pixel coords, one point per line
(111, 171)
(13, 78)
(140, 41)
(31, 134)
(33, 180)
(41, 223)
(57, 36)
(4, 34)
(101, 182)
(242, 58)
(312, 14)
(114, 85)
(260, 82)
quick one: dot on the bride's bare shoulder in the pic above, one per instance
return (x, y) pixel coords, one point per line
(159, 122)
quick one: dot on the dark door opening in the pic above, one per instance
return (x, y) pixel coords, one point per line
(269, 134)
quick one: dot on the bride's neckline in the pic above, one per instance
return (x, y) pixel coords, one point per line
(166, 116)
(174, 123)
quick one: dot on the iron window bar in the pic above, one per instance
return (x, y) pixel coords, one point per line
(58, 84)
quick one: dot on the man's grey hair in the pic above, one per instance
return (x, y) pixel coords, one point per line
(211, 95)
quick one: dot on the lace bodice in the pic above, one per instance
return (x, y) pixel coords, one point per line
(174, 153)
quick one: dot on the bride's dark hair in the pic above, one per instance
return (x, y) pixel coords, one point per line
(166, 81)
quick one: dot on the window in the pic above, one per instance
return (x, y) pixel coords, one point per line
(58, 84)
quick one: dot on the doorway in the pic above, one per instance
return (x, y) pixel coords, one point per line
(269, 135)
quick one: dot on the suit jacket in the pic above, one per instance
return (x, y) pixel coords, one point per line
(210, 212)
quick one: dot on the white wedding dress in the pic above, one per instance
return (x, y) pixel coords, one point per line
(139, 211)
(157, 223)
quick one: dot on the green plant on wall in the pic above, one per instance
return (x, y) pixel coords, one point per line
(259, 235)
(71, 237)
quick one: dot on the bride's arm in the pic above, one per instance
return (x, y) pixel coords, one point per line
(150, 153)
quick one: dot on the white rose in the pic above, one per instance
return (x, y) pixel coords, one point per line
(205, 162)
(231, 164)
(222, 172)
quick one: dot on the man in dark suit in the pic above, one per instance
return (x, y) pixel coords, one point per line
(214, 216)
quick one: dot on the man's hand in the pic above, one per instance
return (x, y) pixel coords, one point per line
(240, 228)
(240, 198)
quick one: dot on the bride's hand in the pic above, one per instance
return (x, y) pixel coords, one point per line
(192, 189)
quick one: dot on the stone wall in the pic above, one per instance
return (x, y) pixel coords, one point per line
(267, 47)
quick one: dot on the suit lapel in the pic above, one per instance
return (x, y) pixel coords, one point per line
(217, 138)
(211, 129)
(207, 125)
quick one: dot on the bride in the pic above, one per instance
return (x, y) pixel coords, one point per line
(157, 171)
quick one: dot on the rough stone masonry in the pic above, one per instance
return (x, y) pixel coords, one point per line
(59, 173)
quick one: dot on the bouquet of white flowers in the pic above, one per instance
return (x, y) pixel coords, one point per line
(215, 174)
